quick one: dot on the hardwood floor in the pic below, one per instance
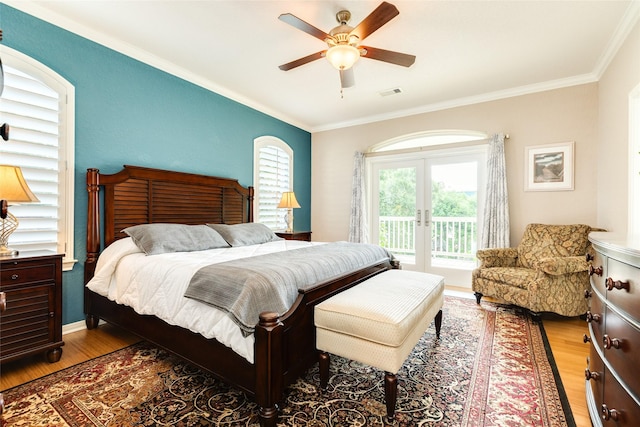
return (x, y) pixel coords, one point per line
(565, 338)
(570, 353)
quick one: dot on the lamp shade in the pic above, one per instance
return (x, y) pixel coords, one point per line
(13, 187)
(343, 56)
(288, 200)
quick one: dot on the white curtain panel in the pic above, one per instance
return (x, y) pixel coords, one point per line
(495, 229)
(358, 228)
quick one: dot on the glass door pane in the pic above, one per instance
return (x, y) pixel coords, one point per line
(454, 218)
(396, 197)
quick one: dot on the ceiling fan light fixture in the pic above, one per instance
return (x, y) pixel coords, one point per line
(343, 56)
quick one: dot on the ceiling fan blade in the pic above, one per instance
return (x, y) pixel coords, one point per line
(376, 19)
(304, 26)
(305, 60)
(347, 78)
(390, 56)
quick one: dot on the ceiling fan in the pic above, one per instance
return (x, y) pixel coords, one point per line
(343, 42)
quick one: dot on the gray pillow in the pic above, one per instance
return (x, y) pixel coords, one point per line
(250, 233)
(165, 238)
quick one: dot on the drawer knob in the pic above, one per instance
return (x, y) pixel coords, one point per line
(15, 277)
(588, 294)
(597, 271)
(609, 414)
(590, 375)
(589, 257)
(609, 342)
(586, 339)
(593, 317)
(616, 284)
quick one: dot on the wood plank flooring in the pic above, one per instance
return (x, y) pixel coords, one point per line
(565, 338)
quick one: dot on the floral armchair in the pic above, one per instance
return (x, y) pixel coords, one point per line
(547, 272)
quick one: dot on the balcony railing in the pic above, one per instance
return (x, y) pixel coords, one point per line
(453, 239)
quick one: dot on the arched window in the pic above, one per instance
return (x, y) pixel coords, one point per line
(419, 140)
(38, 105)
(273, 175)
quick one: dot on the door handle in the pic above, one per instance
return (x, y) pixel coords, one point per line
(418, 217)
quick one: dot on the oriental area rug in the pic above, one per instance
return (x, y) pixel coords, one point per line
(491, 366)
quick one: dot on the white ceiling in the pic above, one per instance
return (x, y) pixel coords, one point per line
(467, 51)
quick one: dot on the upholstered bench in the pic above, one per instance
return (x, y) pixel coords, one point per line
(378, 322)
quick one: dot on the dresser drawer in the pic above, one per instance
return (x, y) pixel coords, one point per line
(623, 354)
(617, 404)
(597, 272)
(596, 371)
(627, 300)
(24, 273)
(595, 318)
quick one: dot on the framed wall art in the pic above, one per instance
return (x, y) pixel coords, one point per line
(549, 167)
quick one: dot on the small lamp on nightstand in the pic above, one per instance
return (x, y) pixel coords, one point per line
(13, 189)
(289, 202)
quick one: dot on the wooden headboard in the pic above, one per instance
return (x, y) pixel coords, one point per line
(139, 195)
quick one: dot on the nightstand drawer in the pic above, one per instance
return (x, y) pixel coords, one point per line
(21, 274)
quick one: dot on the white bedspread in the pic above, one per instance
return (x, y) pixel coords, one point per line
(155, 285)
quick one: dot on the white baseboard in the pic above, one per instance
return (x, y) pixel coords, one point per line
(76, 326)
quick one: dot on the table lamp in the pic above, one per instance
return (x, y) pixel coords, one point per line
(289, 202)
(13, 189)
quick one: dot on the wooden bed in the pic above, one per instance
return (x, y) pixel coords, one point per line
(284, 345)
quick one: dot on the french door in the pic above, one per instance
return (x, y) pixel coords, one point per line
(425, 208)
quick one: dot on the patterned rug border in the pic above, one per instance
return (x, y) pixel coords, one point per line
(562, 396)
(75, 365)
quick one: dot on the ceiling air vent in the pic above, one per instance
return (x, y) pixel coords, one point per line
(388, 92)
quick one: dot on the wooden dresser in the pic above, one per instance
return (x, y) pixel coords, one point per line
(613, 367)
(31, 306)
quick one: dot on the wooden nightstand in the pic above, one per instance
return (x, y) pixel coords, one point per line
(31, 306)
(296, 235)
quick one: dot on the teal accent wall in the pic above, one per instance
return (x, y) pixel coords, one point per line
(128, 112)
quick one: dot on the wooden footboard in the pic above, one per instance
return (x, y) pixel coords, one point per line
(284, 345)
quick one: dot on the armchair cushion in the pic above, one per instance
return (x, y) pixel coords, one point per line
(563, 265)
(548, 241)
(518, 277)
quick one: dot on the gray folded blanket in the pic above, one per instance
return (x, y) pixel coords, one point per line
(246, 287)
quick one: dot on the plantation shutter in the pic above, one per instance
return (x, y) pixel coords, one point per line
(274, 178)
(32, 109)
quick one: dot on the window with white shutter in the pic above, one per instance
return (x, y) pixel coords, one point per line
(37, 103)
(273, 175)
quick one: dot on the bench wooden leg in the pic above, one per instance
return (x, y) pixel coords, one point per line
(390, 394)
(438, 322)
(323, 364)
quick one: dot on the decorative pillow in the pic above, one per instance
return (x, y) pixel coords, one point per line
(163, 238)
(250, 233)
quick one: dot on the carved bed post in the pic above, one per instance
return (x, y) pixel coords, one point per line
(268, 366)
(93, 238)
(251, 197)
(93, 219)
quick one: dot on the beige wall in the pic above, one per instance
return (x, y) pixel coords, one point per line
(568, 114)
(620, 78)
